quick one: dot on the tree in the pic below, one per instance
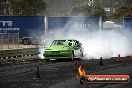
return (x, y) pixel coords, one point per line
(123, 11)
(86, 10)
(28, 7)
(98, 12)
(4, 7)
(81, 9)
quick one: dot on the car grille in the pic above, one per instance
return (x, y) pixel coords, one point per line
(54, 52)
(56, 55)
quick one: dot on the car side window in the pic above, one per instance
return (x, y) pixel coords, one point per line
(59, 43)
(71, 42)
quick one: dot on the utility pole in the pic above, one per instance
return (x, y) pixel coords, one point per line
(90, 3)
(92, 9)
(100, 20)
(46, 22)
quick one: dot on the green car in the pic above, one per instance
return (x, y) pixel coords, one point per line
(64, 49)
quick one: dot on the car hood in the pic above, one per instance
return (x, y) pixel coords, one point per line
(57, 47)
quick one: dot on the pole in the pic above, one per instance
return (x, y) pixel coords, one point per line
(123, 24)
(46, 24)
(100, 24)
(1, 40)
(18, 39)
(8, 40)
(92, 9)
(13, 40)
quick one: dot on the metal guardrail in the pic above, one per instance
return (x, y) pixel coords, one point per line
(16, 55)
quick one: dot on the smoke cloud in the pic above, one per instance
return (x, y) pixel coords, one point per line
(105, 44)
(99, 43)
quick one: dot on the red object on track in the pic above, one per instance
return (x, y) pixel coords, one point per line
(118, 59)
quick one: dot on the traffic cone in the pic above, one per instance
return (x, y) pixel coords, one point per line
(38, 73)
(118, 59)
(101, 62)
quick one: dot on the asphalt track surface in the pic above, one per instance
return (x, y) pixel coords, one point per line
(61, 74)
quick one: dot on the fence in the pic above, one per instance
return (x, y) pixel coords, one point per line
(9, 40)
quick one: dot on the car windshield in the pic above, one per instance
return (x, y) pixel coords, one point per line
(61, 42)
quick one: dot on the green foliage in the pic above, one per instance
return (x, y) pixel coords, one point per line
(81, 9)
(61, 7)
(28, 7)
(123, 11)
(86, 10)
(98, 11)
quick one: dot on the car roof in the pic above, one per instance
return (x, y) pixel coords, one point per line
(65, 39)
